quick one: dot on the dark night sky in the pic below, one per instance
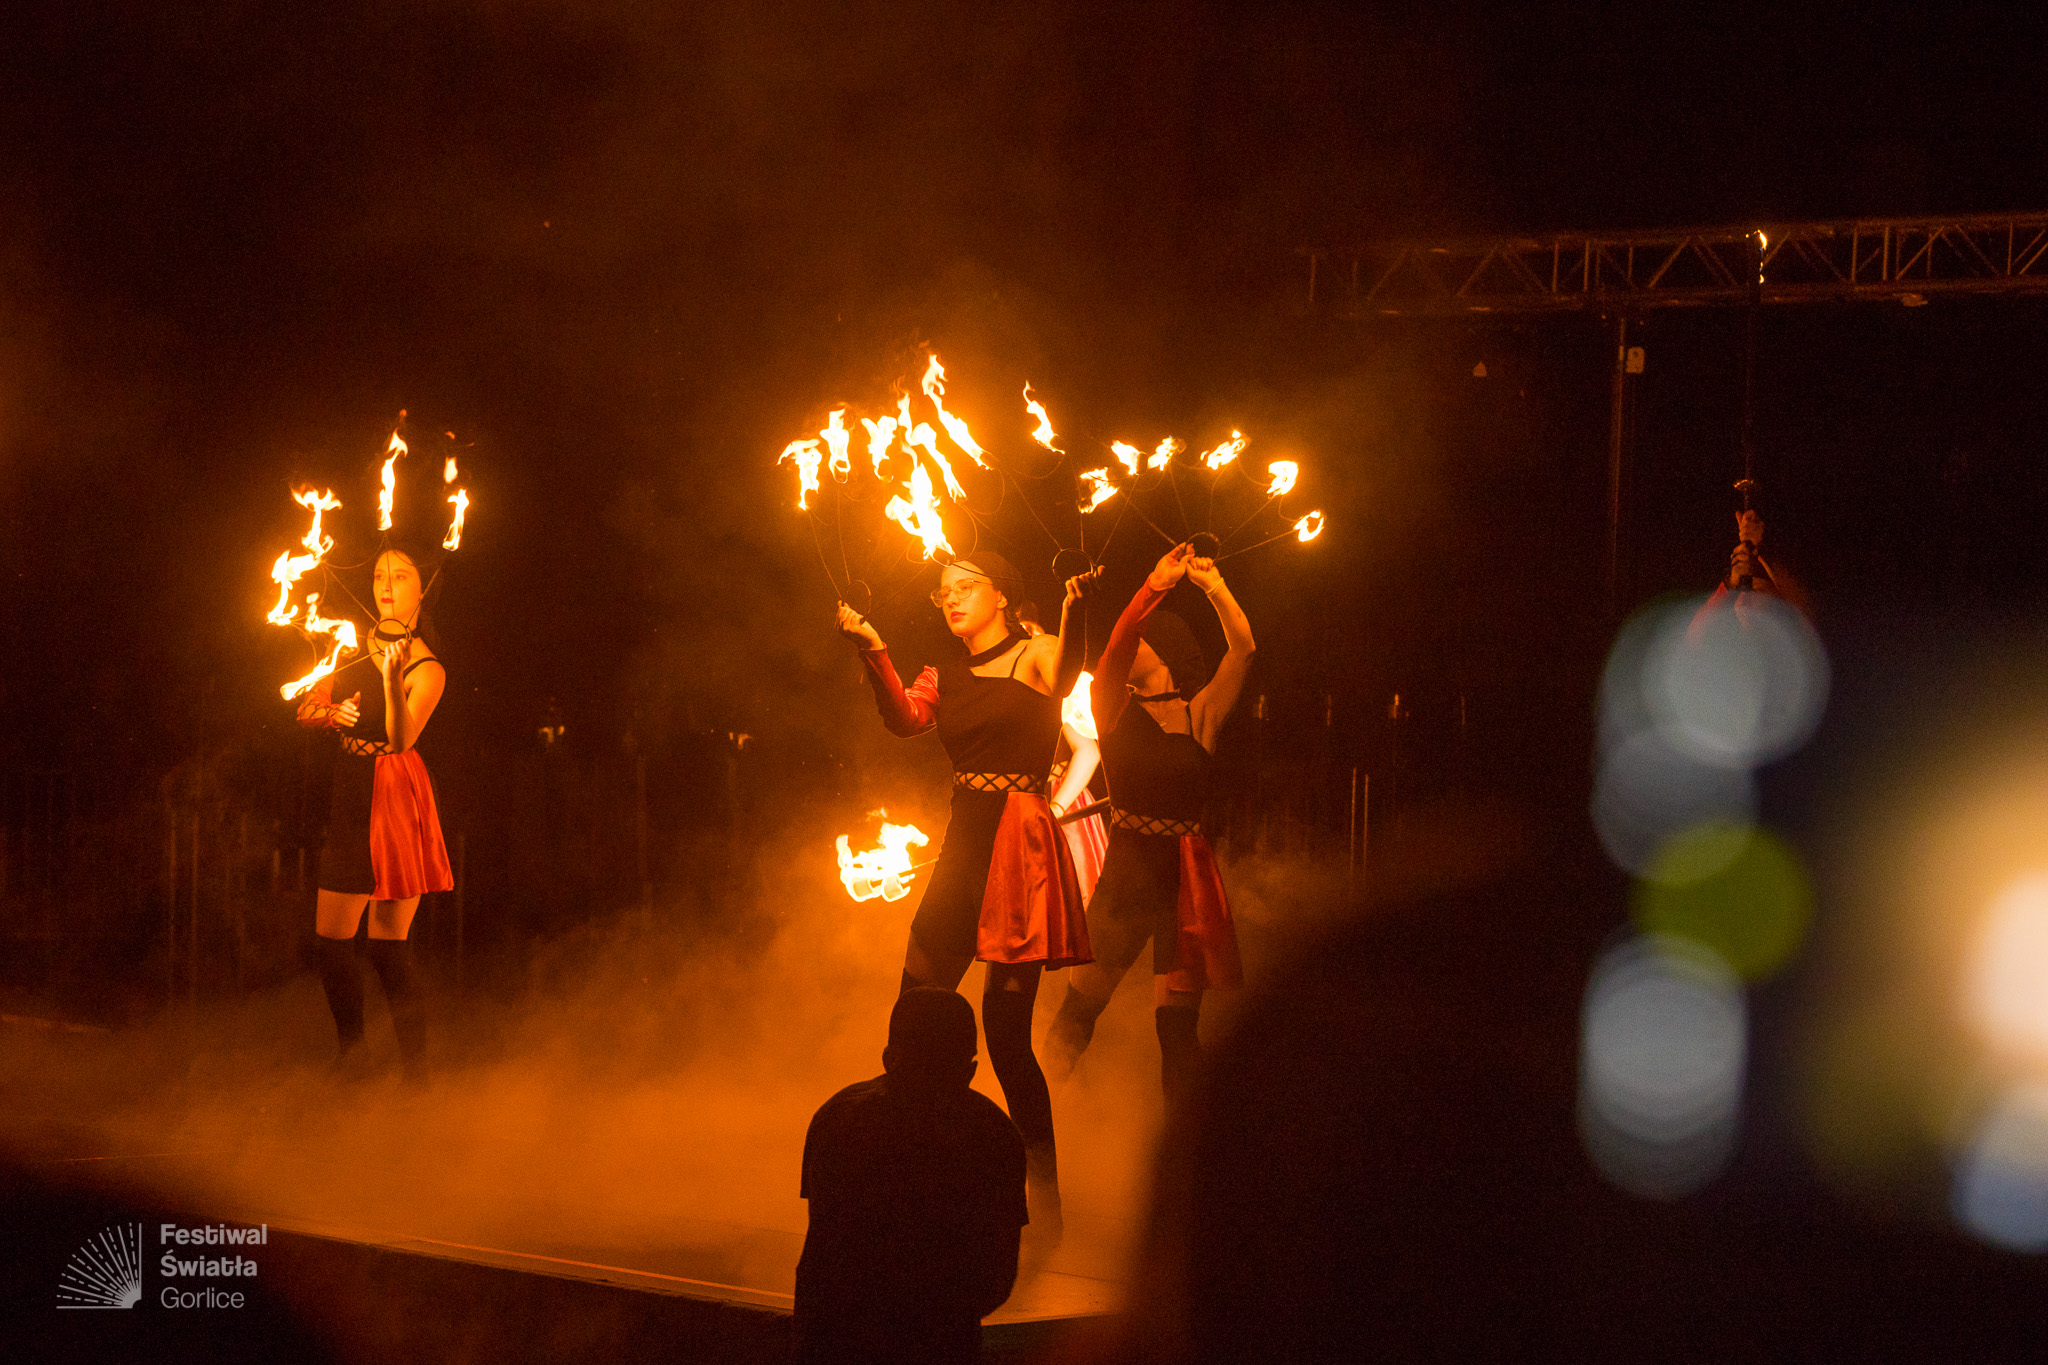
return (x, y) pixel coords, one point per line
(630, 250)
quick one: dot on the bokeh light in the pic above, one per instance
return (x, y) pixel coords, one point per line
(1663, 1053)
(1648, 794)
(2001, 1184)
(2007, 996)
(1736, 687)
(1732, 888)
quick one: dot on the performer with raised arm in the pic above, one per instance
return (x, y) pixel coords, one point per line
(1159, 716)
(384, 848)
(1003, 890)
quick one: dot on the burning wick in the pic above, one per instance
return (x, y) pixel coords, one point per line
(1225, 453)
(460, 498)
(934, 386)
(836, 436)
(289, 567)
(344, 633)
(1164, 453)
(1284, 473)
(1045, 435)
(1101, 490)
(919, 513)
(392, 452)
(448, 468)
(806, 457)
(881, 435)
(1128, 454)
(884, 870)
(1309, 527)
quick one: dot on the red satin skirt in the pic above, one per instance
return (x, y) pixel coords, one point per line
(1205, 951)
(1087, 844)
(1032, 909)
(406, 850)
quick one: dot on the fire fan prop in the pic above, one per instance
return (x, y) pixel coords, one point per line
(884, 870)
(290, 568)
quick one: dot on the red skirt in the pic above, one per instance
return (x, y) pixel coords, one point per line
(1205, 956)
(406, 850)
(1032, 909)
(1087, 844)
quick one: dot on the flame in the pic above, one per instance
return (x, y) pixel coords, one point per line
(1225, 453)
(1045, 435)
(1076, 710)
(448, 468)
(1284, 473)
(289, 567)
(453, 540)
(1309, 527)
(836, 436)
(1100, 489)
(806, 456)
(881, 435)
(935, 389)
(391, 454)
(1128, 453)
(922, 437)
(919, 513)
(344, 633)
(884, 870)
(1164, 453)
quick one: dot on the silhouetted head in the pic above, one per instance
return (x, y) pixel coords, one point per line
(1166, 638)
(932, 1039)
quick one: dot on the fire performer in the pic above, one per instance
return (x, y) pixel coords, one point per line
(1160, 880)
(1003, 890)
(384, 848)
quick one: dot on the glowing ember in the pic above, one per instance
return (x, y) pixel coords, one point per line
(1309, 527)
(1225, 453)
(836, 437)
(919, 513)
(935, 389)
(391, 454)
(884, 870)
(289, 567)
(881, 435)
(1076, 711)
(453, 540)
(806, 457)
(1129, 454)
(1164, 453)
(344, 633)
(448, 468)
(1100, 489)
(1045, 435)
(1284, 473)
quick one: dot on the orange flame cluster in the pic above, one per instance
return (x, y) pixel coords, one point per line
(1100, 489)
(1077, 710)
(1225, 453)
(1285, 473)
(1045, 435)
(391, 454)
(884, 870)
(1309, 527)
(290, 568)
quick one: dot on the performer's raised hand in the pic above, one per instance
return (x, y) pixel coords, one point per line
(855, 627)
(347, 714)
(1203, 573)
(1171, 567)
(1083, 585)
(394, 659)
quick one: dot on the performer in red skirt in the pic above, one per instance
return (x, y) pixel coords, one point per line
(1159, 881)
(1003, 890)
(384, 848)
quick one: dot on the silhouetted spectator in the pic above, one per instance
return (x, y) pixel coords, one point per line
(916, 1185)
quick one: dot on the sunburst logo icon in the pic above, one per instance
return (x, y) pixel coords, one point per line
(106, 1272)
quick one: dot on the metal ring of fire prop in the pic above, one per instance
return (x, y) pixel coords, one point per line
(905, 461)
(290, 568)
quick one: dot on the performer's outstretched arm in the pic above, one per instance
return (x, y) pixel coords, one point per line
(905, 713)
(1106, 692)
(1087, 757)
(1073, 650)
(1213, 705)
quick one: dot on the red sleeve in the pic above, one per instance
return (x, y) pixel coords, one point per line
(315, 706)
(904, 713)
(1107, 694)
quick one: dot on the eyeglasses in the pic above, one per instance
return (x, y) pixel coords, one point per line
(959, 592)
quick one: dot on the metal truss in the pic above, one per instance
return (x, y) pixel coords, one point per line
(1909, 260)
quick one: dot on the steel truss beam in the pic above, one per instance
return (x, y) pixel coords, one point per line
(1906, 259)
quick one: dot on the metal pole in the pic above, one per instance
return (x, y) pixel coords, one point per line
(1616, 433)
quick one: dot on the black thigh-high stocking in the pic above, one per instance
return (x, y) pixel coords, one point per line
(1180, 1052)
(342, 979)
(1006, 1023)
(392, 957)
(1073, 1028)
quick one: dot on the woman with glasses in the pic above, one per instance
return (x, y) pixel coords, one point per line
(1159, 714)
(1003, 890)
